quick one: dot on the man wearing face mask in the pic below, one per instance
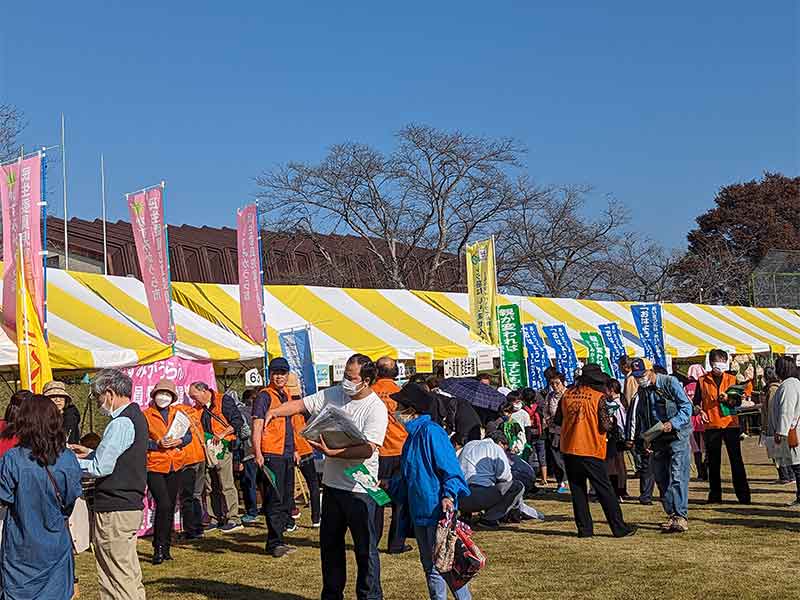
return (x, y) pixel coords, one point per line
(345, 504)
(273, 446)
(661, 399)
(709, 395)
(165, 464)
(119, 463)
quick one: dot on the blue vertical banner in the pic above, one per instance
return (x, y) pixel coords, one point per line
(647, 318)
(566, 359)
(537, 359)
(296, 348)
(612, 337)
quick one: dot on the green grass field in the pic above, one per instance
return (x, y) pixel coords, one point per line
(731, 551)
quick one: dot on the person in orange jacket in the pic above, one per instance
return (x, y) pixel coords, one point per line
(710, 396)
(165, 464)
(389, 454)
(274, 454)
(194, 483)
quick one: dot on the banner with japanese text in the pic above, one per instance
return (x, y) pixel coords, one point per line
(512, 356)
(21, 195)
(566, 359)
(612, 336)
(147, 219)
(296, 349)
(597, 350)
(251, 294)
(537, 358)
(647, 318)
(33, 355)
(183, 373)
(482, 290)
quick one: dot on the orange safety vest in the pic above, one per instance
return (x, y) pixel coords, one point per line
(580, 427)
(194, 453)
(396, 434)
(273, 437)
(710, 396)
(162, 460)
(218, 427)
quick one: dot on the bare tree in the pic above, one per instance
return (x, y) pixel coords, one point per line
(414, 210)
(645, 271)
(11, 125)
(548, 246)
(716, 271)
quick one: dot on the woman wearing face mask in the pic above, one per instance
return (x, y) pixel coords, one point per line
(165, 464)
(555, 382)
(710, 396)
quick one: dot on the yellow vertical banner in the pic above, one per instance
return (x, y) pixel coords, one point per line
(424, 362)
(482, 290)
(32, 353)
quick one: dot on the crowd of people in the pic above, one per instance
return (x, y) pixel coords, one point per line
(434, 454)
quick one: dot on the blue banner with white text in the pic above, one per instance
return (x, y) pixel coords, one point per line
(647, 318)
(537, 360)
(296, 348)
(612, 337)
(566, 359)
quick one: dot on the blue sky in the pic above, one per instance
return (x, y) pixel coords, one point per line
(658, 106)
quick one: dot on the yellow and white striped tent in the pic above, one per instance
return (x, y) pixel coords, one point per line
(689, 329)
(99, 321)
(396, 323)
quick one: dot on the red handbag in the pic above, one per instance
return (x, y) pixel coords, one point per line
(468, 559)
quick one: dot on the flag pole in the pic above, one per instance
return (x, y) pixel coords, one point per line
(103, 201)
(43, 154)
(173, 334)
(262, 277)
(64, 178)
(24, 299)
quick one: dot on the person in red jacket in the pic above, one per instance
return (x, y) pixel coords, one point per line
(8, 436)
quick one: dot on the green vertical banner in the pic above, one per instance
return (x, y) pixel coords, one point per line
(597, 350)
(512, 353)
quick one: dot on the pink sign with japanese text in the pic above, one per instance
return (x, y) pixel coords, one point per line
(251, 296)
(147, 219)
(21, 193)
(145, 377)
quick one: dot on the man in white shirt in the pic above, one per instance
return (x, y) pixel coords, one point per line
(488, 473)
(345, 503)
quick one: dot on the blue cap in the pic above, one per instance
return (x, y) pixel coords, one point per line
(279, 364)
(639, 366)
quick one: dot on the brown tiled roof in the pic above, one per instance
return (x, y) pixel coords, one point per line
(208, 254)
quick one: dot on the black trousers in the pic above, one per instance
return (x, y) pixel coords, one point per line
(579, 469)
(389, 467)
(164, 488)
(733, 444)
(342, 510)
(277, 506)
(191, 510)
(309, 472)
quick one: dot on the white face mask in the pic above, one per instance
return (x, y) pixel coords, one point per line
(105, 410)
(404, 416)
(643, 381)
(351, 389)
(517, 405)
(163, 399)
(719, 367)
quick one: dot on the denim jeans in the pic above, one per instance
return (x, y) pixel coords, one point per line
(671, 469)
(437, 587)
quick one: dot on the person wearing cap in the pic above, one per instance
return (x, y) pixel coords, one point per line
(165, 464)
(432, 478)
(274, 449)
(57, 392)
(662, 400)
(222, 422)
(389, 453)
(584, 421)
(710, 396)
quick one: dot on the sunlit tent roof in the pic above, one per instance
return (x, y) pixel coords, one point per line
(396, 323)
(99, 321)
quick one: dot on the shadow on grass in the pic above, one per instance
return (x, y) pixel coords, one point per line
(754, 524)
(221, 590)
(242, 544)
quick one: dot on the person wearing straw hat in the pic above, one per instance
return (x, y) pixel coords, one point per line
(57, 392)
(166, 462)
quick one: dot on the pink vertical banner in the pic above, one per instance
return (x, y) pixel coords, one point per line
(251, 295)
(147, 219)
(145, 377)
(20, 194)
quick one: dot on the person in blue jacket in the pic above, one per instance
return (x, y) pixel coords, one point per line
(432, 477)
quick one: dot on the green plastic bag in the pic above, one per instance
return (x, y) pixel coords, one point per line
(362, 477)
